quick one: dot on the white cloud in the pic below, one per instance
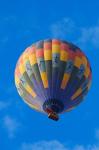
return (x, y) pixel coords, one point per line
(55, 145)
(81, 35)
(90, 35)
(78, 147)
(11, 125)
(62, 28)
(44, 145)
(88, 147)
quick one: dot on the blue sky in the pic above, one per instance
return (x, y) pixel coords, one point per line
(23, 22)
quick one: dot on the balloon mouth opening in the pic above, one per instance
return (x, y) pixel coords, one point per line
(53, 107)
(53, 116)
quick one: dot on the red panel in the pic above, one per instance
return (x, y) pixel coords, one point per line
(47, 45)
(40, 53)
(64, 46)
(54, 41)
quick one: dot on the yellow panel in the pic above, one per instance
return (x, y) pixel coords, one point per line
(25, 57)
(55, 48)
(28, 88)
(22, 68)
(65, 80)
(44, 79)
(87, 71)
(63, 55)
(47, 54)
(32, 59)
(77, 93)
(84, 61)
(17, 81)
(78, 61)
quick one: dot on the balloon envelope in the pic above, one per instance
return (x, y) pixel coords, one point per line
(53, 76)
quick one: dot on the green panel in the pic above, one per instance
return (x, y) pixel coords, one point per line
(36, 72)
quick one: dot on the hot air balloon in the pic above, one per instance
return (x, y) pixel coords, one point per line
(53, 76)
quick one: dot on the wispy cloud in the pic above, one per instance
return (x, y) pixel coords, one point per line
(90, 36)
(89, 147)
(44, 145)
(55, 145)
(62, 28)
(81, 35)
(11, 125)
